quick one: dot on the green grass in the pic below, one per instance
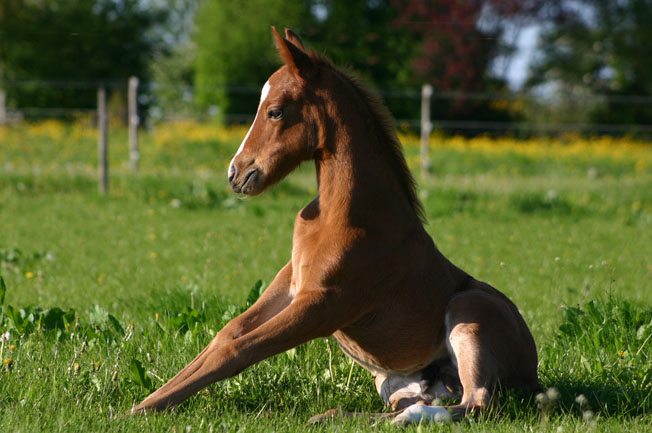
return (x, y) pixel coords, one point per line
(125, 290)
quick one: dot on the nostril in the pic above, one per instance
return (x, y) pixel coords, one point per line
(232, 172)
(249, 176)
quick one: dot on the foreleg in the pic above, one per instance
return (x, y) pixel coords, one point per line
(273, 300)
(310, 315)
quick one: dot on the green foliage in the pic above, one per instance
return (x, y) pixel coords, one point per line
(104, 324)
(139, 375)
(254, 293)
(65, 40)
(234, 47)
(602, 350)
(31, 319)
(174, 75)
(600, 48)
(537, 202)
(614, 326)
(233, 311)
(364, 36)
(16, 260)
(187, 320)
(3, 290)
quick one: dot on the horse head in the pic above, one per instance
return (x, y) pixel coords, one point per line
(285, 130)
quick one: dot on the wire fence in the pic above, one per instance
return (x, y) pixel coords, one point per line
(408, 100)
(102, 105)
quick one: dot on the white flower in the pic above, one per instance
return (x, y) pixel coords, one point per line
(6, 336)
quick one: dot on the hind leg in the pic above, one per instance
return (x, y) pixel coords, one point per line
(397, 390)
(490, 343)
(401, 391)
(438, 380)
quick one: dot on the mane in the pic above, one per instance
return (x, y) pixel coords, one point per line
(384, 127)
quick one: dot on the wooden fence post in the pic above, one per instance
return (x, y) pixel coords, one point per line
(102, 142)
(426, 127)
(134, 154)
(3, 107)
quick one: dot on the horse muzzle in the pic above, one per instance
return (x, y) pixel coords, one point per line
(246, 182)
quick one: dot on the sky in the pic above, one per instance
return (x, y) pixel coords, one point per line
(516, 72)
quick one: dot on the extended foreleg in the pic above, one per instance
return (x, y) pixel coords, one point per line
(273, 300)
(308, 316)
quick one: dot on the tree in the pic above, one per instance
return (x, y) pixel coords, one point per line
(173, 77)
(459, 42)
(73, 43)
(362, 35)
(599, 49)
(235, 51)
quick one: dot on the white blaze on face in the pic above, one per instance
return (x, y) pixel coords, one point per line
(263, 96)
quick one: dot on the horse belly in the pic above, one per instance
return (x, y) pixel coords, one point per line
(391, 354)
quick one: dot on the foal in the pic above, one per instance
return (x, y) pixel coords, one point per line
(362, 268)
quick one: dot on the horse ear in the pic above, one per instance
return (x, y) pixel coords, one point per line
(294, 38)
(299, 63)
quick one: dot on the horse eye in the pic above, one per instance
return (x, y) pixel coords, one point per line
(275, 113)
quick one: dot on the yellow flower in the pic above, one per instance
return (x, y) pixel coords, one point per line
(12, 347)
(152, 255)
(622, 353)
(29, 274)
(8, 363)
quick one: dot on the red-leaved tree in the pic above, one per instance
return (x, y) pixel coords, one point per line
(461, 39)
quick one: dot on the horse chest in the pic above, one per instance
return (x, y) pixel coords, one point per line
(309, 255)
(317, 251)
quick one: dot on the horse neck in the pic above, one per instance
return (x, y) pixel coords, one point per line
(356, 182)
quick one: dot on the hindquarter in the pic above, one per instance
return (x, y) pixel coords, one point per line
(489, 340)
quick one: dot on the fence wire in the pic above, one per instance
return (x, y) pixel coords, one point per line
(153, 111)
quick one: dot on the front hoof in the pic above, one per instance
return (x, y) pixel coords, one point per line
(142, 410)
(146, 407)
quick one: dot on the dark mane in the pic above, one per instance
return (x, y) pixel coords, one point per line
(383, 123)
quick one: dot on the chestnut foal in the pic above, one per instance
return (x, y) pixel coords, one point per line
(363, 268)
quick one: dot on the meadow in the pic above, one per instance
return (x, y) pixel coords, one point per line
(105, 298)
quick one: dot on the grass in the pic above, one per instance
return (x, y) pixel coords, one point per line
(106, 298)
